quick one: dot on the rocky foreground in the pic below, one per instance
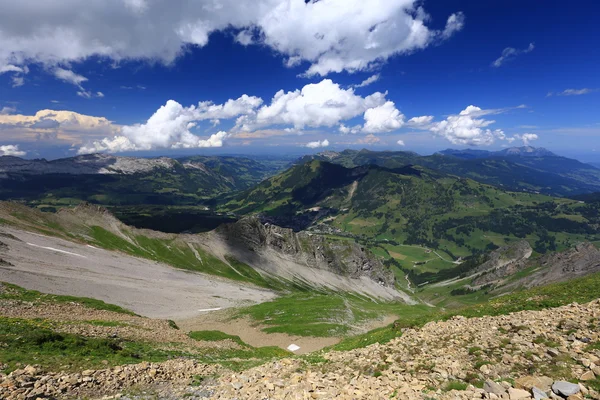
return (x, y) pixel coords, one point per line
(553, 353)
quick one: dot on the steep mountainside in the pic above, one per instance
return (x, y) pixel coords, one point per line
(415, 206)
(517, 169)
(246, 251)
(512, 267)
(344, 258)
(111, 180)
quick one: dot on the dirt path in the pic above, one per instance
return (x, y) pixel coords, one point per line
(56, 266)
(254, 336)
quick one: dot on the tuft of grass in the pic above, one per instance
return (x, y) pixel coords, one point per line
(104, 323)
(216, 336)
(455, 385)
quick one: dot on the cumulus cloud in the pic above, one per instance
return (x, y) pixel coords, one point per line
(317, 144)
(420, 121)
(11, 150)
(401, 142)
(527, 138)
(511, 53)
(368, 81)
(315, 105)
(315, 32)
(467, 128)
(347, 129)
(64, 126)
(573, 92)
(170, 127)
(383, 118)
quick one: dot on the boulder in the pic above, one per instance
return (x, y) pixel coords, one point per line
(538, 394)
(493, 387)
(518, 394)
(528, 382)
(587, 376)
(565, 389)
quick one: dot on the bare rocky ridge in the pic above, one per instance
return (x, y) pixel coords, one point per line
(515, 356)
(346, 258)
(89, 164)
(502, 263)
(581, 260)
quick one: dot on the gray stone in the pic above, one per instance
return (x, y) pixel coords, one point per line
(553, 352)
(493, 387)
(538, 394)
(565, 389)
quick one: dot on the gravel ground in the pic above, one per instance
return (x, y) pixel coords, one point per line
(148, 288)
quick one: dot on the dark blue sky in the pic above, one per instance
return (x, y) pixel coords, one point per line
(551, 73)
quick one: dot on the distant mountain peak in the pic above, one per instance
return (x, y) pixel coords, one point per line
(523, 151)
(527, 151)
(328, 154)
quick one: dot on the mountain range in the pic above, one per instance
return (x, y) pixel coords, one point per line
(112, 180)
(528, 169)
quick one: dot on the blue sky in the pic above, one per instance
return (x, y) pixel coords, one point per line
(127, 76)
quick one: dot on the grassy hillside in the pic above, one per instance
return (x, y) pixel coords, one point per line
(413, 216)
(189, 181)
(551, 175)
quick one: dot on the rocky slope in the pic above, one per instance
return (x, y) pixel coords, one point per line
(581, 260)
(502, 263)
(346, 258)
(525, 355)
(272, 252)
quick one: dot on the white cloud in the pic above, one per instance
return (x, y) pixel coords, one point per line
(346, 129)
(17, 80)
(383, 118)
(69, 76)
(317, 144)
(65, 127)
(527, 138)
(573, 92)
(244, 38)
(510, 53)
(454, 24)
(467, 128)
(316, 105)
(7, 110)
(420, 121)
(66, 75)
(316, 32)
(401, 142)
(170, 125)
(368, 81)
(11, 150)
(87, 94)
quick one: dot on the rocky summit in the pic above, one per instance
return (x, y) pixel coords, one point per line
(552, 353)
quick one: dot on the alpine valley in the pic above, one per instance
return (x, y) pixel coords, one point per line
(202, 266)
